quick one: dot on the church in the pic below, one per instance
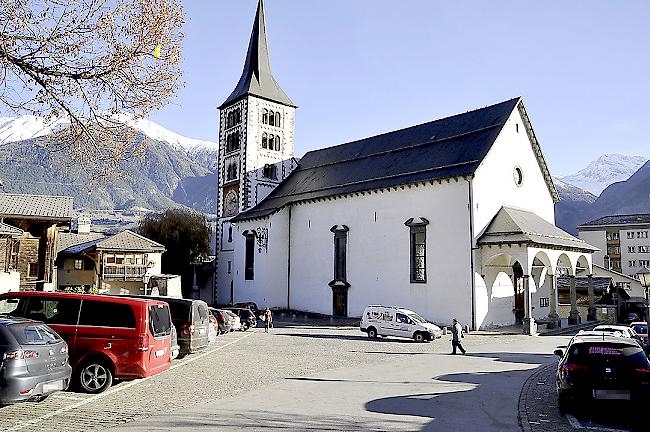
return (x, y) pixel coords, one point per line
(451, 218)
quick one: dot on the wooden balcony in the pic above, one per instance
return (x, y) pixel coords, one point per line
(124, 272)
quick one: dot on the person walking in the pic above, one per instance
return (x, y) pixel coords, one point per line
(268, 317)
(456, 336)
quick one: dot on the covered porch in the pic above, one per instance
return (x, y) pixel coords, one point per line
(519, 258)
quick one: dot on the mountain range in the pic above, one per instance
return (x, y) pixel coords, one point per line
(177, 170)
(174, 170)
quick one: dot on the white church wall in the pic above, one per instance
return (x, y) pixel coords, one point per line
(269, 285)
(378, 268)
(494, 182)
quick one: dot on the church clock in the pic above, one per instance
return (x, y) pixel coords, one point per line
(230, 203)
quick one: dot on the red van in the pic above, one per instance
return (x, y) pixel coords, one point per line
(108, 337)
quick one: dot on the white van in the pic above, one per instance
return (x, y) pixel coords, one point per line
(396, 321)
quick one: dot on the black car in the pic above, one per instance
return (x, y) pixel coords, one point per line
(246, 316)
(602, 367)
(249, 305)
(33, 361)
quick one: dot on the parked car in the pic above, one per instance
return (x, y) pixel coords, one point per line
(235, 322)
(249, 305)
(625, 331)
(400, 322)
(192, 321)
(246, 316)
(224, 323)
(33, 361)
(108, 337)
(641, 328)
(602, 367)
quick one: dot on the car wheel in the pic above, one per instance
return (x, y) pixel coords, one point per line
(372, 333)
(419, 337)
(95, 377)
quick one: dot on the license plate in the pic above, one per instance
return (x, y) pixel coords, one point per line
(53, 386)
(612, 394)
(160, 353)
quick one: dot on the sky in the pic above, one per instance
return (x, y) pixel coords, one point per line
(357, 68)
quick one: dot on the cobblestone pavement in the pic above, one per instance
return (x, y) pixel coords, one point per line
(239, 364)
(539, 411)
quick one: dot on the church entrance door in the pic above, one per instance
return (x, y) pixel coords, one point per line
(340, 298)
(518, 283)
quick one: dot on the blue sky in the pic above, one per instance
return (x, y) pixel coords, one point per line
(363, 67)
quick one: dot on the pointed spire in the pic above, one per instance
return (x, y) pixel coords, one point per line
(257, 78)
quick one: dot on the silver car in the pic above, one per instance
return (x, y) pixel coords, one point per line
(33, 361)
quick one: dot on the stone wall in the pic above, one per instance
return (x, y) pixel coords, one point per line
(604, 314)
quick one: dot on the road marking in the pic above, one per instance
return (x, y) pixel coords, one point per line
(28, 423)
(578, 425)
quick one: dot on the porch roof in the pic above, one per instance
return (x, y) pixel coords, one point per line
(516, 226)
(10, 230)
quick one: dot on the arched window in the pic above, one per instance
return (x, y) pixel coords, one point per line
(277, 143)
(271, 142)
(270, 171)
(277, 119)
(271, 118)
(265, 116)
(238, 116)
(265, 140)
(231, 171)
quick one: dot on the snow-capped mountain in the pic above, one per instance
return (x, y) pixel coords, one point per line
(14, 129)
(607, 169)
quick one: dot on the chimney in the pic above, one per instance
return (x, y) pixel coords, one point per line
(81, 225)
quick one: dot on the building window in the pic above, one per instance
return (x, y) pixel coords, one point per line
(78, 264)
(249, 265)
(277, 119)
(231, 171)
(642, 234)
(612, 236)
(32, 270)
(644, 263)
(229, 267)
(632, 263)
(543, 301)
(616, 264)
(232, 141)
(277, 143)
(340, 253)
(630, 249)
(265, 116)
(518, 175)
(630, 235)
(270, 171)
(271, 142)
(644, 249)
(230, 234)
(418, 254)
(233, 118)
(265, 140)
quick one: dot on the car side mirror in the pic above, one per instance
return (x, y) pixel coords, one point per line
(558, 352)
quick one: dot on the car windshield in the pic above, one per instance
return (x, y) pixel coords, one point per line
(640, 329)
(33, 334)
(417, 318)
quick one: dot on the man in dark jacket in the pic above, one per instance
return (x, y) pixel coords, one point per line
(456, 335)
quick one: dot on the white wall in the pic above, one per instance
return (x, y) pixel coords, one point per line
(378, 267)
(494, 185)
(9, 281)
(597, 239)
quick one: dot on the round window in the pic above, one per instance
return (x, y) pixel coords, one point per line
(519, 176)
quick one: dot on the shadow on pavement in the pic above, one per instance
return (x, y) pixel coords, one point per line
(483, 405)
(510, 357)
(347, 337)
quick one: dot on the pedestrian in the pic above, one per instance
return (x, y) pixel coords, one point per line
(456, 336)
(268, 317)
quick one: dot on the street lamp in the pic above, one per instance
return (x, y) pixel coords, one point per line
(644, 278)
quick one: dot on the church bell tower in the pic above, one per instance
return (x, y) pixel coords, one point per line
(256, 147)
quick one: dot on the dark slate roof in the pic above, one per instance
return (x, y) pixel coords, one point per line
(514, 226)
(10, 230)
(633, 219)
(129, 241)
(601, 284)
(36, 206)
(257, 77)
(70, 243)
(445, 148)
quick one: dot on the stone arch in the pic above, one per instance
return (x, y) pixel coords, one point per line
(564, 262)
(582, 262)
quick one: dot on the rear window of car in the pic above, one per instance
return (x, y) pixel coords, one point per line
(33, 334)
(599, 354)
(202, 310)
(106, 314)
(159, 320)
